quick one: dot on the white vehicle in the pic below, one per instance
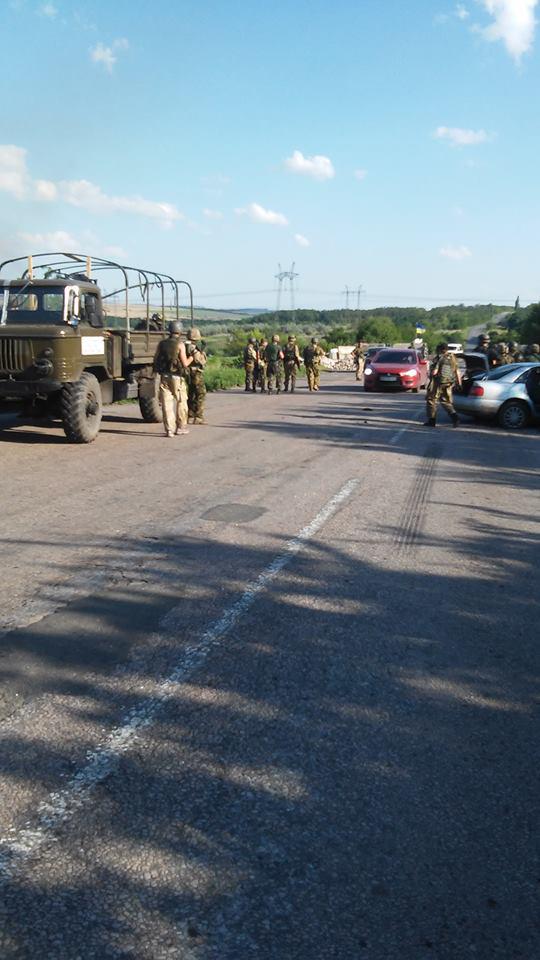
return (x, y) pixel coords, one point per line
(455, 348)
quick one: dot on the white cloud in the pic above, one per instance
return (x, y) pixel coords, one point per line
(301, 240)
(50, 242)
(107, 56)
(13, 172)
(318, 167)
(212, 214)
(461, 12)
(455, 253)
(49, 10)
(514, 23)
(360, 174)
(16, 180)
(259, 214)
(461, 137)
(45, 190)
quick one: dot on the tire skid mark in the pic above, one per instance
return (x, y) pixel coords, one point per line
(415, 508)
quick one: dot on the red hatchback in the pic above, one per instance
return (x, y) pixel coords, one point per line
(397, 370)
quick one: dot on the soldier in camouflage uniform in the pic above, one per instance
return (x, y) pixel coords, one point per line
(532, 353)
(514, 352)
(262, 379)
(196, 386)
(250, 361)
(291, 362)
(171, 363)
(483, 344)
(274, 364)
(444, 373)
(312, 360)
(358, 355)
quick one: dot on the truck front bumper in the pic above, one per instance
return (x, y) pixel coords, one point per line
(26, 389)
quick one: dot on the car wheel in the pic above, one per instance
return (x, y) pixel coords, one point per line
(513, 415)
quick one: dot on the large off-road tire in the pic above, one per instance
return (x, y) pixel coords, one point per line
(82, 408)
(513, 415)
(151, 411)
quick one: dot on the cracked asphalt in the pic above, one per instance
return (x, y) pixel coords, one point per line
(270, 690)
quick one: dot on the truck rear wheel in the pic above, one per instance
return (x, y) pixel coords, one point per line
(82, 408)
(150, 409)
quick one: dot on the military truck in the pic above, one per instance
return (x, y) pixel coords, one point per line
(67, 347)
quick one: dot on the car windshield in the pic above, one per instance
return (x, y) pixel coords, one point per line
(396, 356)
(30, 303)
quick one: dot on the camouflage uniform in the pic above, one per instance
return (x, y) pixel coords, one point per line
(196, 386)
(274, 365)
(312, 360)
(443, 374)
(262, 380)
(358, 355)
(291, 363)
(532, 353)
(250, 360)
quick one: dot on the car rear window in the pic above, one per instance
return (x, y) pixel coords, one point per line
(505, 371)
(396, 356)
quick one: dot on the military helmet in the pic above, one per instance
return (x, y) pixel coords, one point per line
(175, 327)
(291, 338)
(275, 338)
(194, 333)
(484, 338)
(512, 344)
(251, 340)
(314, 340)
(442, 347)
(535, 347)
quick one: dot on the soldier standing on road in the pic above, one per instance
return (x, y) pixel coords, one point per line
(444, 373)
(274, 364)
(171, 363)
(196, 387)
(261, 366)
(358, 355)
(483, 344)
(291, 362)
(312, 359)
(250, 361)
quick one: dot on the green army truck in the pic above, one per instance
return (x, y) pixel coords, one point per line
(67, 347)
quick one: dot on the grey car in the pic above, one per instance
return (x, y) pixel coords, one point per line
(509, 394)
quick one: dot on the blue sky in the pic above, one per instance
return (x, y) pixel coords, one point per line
(389, 144)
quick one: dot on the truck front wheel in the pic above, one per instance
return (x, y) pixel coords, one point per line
(82, 408)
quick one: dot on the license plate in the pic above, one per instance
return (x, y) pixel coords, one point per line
(388, 377)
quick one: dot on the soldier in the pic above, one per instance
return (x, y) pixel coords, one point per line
(532, 353)
(483, 344)
(291, 362)
(358, 355)
(196, 386)
(171, 363)
(504, 354)
(514, 352)
(261, 366)
(444, 373)
(312, 360)
(250, 359)
(274, 364)
(494, 355)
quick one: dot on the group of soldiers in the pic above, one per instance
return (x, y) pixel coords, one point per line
(180, 365)
(499, 354)
(272, 367)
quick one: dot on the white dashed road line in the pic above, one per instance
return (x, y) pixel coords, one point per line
(397, 436)
(19, 845)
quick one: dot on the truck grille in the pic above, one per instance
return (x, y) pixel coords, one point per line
(15, 355)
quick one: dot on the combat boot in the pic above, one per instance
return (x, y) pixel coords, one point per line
(430, 422)
(455, 420)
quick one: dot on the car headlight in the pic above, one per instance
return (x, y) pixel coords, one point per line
(368, 371)
(408, 373)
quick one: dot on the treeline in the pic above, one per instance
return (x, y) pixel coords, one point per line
(524, 324)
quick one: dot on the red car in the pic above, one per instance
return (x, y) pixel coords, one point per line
(396, 369)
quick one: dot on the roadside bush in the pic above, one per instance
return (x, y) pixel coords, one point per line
(223, 372)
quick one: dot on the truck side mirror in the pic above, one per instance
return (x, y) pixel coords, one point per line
(73, 309)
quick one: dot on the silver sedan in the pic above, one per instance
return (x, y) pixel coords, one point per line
(509, 394)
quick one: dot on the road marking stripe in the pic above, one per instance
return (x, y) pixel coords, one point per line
(19, 845)
(397, 436)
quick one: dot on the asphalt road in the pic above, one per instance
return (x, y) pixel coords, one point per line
(269, 690)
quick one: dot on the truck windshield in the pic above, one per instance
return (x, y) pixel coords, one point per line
(31, 303)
